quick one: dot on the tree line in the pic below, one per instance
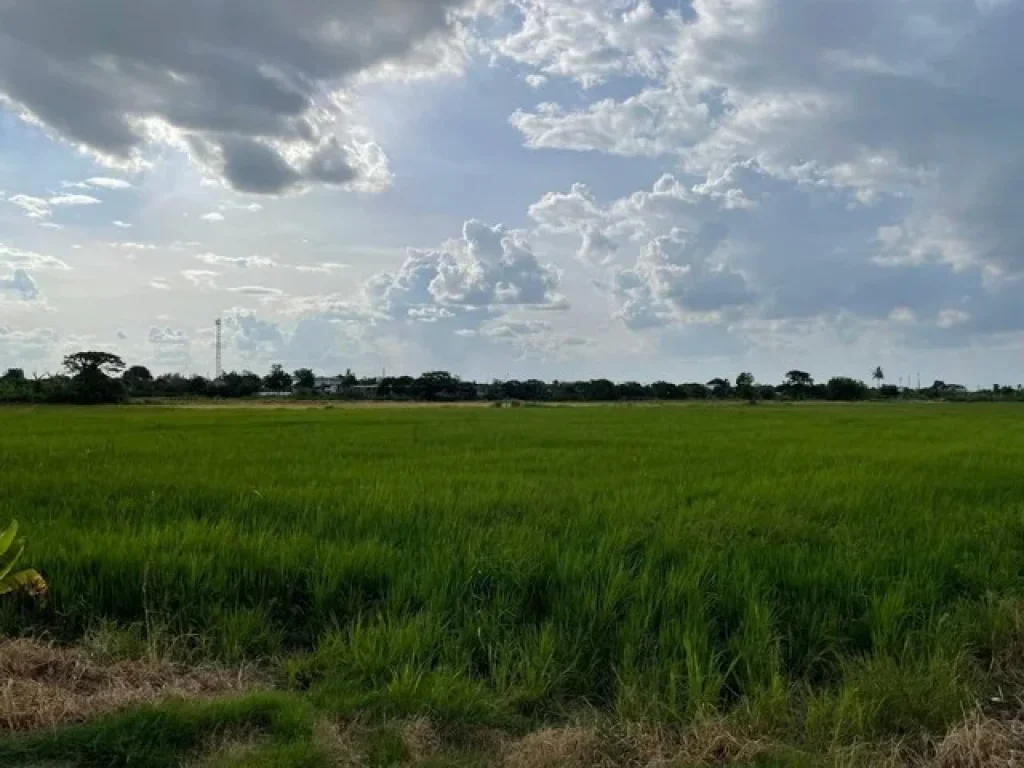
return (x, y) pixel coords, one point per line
(102, 377)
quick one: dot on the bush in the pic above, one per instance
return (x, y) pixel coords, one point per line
(845, 388)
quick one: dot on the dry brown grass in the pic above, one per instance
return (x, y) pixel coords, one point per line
(981, 742)
(43, 685)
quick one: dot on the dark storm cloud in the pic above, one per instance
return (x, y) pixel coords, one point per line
(242, 76)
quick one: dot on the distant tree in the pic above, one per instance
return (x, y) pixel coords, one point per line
(305, 378)
(15, 388)
(278, 380)
(632, 390)
(845, 388)
(437, 385)
(348, 379)
(720, 387)
(234, 384)
(92, 362)
(170, 385)
(694, 391)
(198, 386)
(665, 390)
(138, 381)
(745, 386)
(599, 390)
(798, 383)
(91, 376)
(878, 374)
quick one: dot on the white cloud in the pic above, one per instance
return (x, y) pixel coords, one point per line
(486, 266)
(106, 182)
(121, 224)
(212, 216)
(592, 41)
(98, 182)
(254, 261)
(949, 318)
(201, 278)
(902, 315)
(160, 283)
(42, 208)
(680, 277)
(256, 290)
(325, 267)
(170, 336)
(34, 207)
(73, 199)
(652, 123)
(129, 245)
(14, 258)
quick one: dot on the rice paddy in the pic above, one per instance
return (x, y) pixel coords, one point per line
(818, 577)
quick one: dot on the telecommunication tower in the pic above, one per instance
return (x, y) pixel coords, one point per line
(218, 367)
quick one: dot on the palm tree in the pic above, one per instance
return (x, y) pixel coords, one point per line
(878, 374)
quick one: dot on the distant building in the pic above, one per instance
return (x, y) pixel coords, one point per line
(366, 390)
(328, 385)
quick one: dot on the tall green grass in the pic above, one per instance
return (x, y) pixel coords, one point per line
(846, 571)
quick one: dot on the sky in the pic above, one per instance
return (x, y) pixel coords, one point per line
(553, 188)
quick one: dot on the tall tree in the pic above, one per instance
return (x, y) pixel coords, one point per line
(93, 362)
(91, 376)
(278, 380)
(878, 374)
(745, 386)
(798, 382)
(305, 378)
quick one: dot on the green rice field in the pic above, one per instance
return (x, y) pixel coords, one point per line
(823, 575)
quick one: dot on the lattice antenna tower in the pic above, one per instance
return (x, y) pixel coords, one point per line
(218, 367)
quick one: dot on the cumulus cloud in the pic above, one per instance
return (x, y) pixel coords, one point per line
(592, 41)
(121, 224)
(487, 266)
(679, 276)
(213, 216)
(170, 347)
(833, 98)
(250, 90)
(171, 336)
(252, 336)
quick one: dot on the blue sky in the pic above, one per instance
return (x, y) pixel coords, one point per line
(551, 188)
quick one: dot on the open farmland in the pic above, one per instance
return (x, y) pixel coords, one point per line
(816, 578)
